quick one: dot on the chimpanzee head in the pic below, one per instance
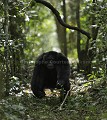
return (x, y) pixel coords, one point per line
(49, 59)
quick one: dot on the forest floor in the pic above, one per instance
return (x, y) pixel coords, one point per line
(81, 105)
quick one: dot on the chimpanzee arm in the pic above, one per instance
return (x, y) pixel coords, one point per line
(37, 83)
(63, 69)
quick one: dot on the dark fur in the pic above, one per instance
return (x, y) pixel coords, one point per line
(52, 70)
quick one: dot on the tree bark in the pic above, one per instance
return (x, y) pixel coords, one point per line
(6, 47)
(61, 31)
(84, 60)
(1, 80)
(64, 18)
(86, 56)
(60, 34)
(79, 26)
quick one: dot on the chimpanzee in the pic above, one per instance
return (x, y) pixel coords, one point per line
(52, 70)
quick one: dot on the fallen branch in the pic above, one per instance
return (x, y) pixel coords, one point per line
(60, 108)
(57, 14)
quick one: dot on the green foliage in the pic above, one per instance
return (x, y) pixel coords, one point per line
(89, 106)
(40, 27)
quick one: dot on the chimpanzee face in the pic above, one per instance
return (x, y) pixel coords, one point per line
(49, 60)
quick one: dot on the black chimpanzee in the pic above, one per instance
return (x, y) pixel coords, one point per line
(52, 70)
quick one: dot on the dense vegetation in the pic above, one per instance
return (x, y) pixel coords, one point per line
(29, 28)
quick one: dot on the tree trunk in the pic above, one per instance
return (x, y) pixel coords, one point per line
(79, 26)
(94, 33)
(65, 38)
(1, 81)
(6, 47)
(84, 60)
(61, 31)
(86, 56)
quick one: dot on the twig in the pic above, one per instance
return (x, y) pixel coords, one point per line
(26, 6)
(60, 108)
